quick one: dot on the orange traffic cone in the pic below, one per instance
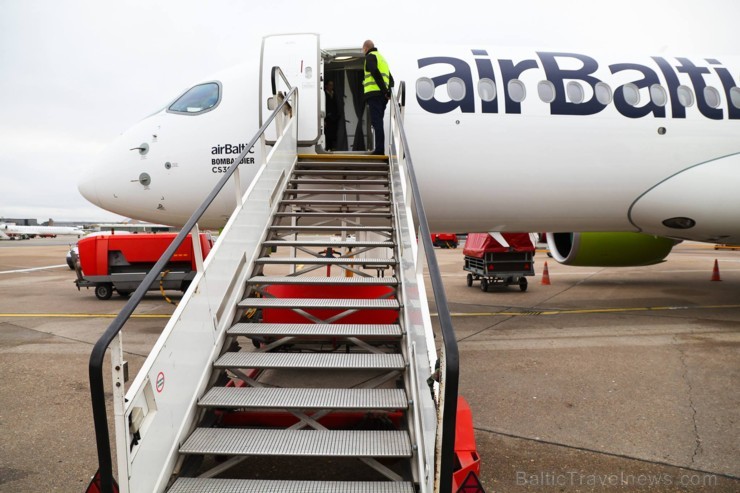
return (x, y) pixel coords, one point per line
(715, 272)
(546, 276)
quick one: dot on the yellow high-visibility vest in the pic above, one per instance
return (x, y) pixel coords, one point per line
(369, 83)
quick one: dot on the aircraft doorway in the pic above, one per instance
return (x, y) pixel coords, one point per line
(347, 114)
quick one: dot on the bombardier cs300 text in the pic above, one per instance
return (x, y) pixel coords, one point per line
(502, 140)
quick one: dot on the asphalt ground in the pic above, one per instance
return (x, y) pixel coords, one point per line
(607, 379)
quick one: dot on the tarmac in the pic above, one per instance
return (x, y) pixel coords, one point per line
(606, 380)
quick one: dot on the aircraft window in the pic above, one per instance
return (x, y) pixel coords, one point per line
(685, 96)
(711, 96)
(735, 96)
(487, 89)
(658, 95)
(198, 99)
(456, 88)
(603, 93)
(631, 94)
(575, 92)
(517, 90)
(546, 91)
(425, 88)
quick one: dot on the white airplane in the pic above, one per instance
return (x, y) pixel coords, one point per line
(12, 231)
(502, 140)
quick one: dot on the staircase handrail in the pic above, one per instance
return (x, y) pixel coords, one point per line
(95, 366)
(450, 376)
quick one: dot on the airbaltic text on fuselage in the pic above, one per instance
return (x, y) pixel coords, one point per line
(663, 71)
(222, 164)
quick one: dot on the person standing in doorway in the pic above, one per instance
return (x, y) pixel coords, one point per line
(332, 116)
(377, 91)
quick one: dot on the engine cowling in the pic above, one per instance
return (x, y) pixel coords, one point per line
(608, 249)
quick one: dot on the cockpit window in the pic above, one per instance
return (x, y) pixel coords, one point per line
(198, 99)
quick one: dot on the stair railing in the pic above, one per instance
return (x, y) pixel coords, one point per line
(422, 249)
(281, 103)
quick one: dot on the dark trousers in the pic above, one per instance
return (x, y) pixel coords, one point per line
(376, 105)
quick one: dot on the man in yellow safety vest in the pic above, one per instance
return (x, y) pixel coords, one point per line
(377, 91)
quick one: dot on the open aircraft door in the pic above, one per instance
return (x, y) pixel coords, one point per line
(299, 57)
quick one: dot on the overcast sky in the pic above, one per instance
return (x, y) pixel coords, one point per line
(74, 74)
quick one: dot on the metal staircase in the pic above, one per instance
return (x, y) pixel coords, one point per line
(305, 229)
(302, 359)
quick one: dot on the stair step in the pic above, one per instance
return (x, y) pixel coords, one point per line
(328, 242)
(213, 485)
(341, 172)
(312, 361)
(326, 260)
(338, 215)
(389, 331)
(330, 229)
(344, 163)
(333, 202)
(346, 183)
(324, 303)
(304, 443)
(327, 191)
(292, 398)
(376, 281)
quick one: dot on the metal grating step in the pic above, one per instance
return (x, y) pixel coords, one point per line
(343, 163)
(345, 183)
(376, 281)
(340, 303)
(291, 398)
(326, 260)
(313, 361)
(338, 215)
(341, 172)
(389, 331)
(329, 242)
(348, 191)
(329, 229)
(212, 485)
(303, 443)
(333, 202)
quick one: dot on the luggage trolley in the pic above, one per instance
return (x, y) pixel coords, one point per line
(501, 258)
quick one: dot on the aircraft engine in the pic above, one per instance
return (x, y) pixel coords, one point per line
(608, 249)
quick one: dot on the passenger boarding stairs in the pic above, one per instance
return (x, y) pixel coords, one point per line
(303, 357)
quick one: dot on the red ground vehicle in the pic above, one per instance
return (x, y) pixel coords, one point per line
(445, 240)
(120, 262)
(504, 259)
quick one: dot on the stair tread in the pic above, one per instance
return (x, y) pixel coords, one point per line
(322, 443)
(334, 228)
(336, 303)
(219, 485)
(318, 243)
(383, 281)
(330, 330)
(325, 260)
(304, 398)
(323, 361)
(343, 172)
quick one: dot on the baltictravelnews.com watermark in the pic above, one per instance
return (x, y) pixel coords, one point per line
(616, 480)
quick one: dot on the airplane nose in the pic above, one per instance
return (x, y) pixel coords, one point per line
(87, 188)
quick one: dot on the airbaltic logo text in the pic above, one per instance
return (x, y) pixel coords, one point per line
(222, 164)
(575, 84)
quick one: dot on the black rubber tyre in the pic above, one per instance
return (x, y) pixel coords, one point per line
(484, 284)
(523, 284)
(470, 280)
(104, 291)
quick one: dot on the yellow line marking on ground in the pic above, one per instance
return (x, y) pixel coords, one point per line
(75, 315)
(531, 313)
